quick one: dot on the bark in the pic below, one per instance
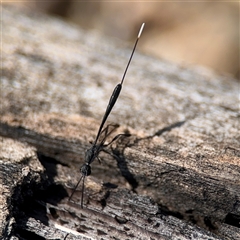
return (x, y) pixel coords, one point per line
(176, 176)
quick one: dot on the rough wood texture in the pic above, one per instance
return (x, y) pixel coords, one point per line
(184, 151)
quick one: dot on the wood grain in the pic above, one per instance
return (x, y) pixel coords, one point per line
(177, 176)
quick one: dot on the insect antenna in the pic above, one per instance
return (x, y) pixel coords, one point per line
(75, 187)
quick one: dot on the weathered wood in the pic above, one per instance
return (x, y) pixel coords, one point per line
(183, 153)
(19, 167)
(41, 213)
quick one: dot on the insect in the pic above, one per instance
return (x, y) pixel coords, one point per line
(93, 152)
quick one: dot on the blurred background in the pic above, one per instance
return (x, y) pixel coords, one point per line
(189, 33)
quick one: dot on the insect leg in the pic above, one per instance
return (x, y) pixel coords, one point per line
(116, 137)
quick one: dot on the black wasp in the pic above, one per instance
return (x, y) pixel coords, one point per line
(93, 152)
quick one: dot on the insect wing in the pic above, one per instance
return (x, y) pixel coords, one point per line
(106, 132)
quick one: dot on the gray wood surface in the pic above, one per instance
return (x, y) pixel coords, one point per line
(176, 177)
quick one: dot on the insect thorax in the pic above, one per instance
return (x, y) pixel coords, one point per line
(91, 154)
